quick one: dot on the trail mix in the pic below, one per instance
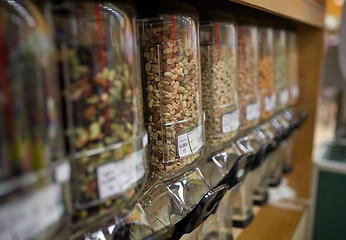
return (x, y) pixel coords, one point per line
(101, 105)
(219, 74)
(247, 85)
(172, 97)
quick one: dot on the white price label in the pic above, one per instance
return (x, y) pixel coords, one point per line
(269, 102)
(108, 181)
(139, 161)
(63, 172)
(183, 145)
(252, 111)
(284, 97)
(257, 110)
(196, 139)
(294, 91)
(145, 140)
(26, 218)
(116, 177)
(230, 121)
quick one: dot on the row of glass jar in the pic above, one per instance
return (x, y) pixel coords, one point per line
(94, 80)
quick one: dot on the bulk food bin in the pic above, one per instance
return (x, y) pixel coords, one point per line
(171, 79)
(244, 197)
(292, 66)
(265, 136)
(247, 85)
(168, 38)
(29, 109)
(34, 177)
(267, 104)
(293, 85)
(219, 225)
(181, 203)
(275, 156)
(280, 69)
(279, 125)
(248, 92)
(266, 70)
(101, 94)
(218, 40)
(127, 225)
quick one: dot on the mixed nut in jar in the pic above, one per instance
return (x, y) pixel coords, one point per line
(280, 69)
(29, 133)
(292, 67)
(266, 72)
(218, 40)
(102, 105)
(171, 87)
(247, 85)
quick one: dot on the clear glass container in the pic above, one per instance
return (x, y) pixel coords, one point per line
(266, 72)
(265, 134)
(36, 205)
(243, 202)
(261, 141)
(166, 203)
(219, 225)
(292, 67)
(280, 69)
(276, 156)
(172, 88)
(219, 73)
(127, 225)
(102, 108)
(29, 127)
(275, 165)
(243, 198)
(218, 164)
(247, 85)
(290, 120)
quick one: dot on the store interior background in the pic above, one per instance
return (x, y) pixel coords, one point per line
(327, 107)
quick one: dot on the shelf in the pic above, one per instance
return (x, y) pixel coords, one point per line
(310, 12)
(274, 223)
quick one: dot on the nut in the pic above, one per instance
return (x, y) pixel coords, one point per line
(219, 64)
(176, 89)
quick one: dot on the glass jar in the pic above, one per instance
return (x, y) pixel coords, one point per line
(129, 224)
(247, 85)
(292, 67)
(266, 72)
(36, 205)
(219, 77)
(280, 70)
(29, 123)
(101, 95)
(171, 86)
(168, 202)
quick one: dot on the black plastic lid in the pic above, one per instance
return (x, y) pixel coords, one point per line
(154, 8)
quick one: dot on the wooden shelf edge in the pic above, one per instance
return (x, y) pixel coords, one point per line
(305, 11)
